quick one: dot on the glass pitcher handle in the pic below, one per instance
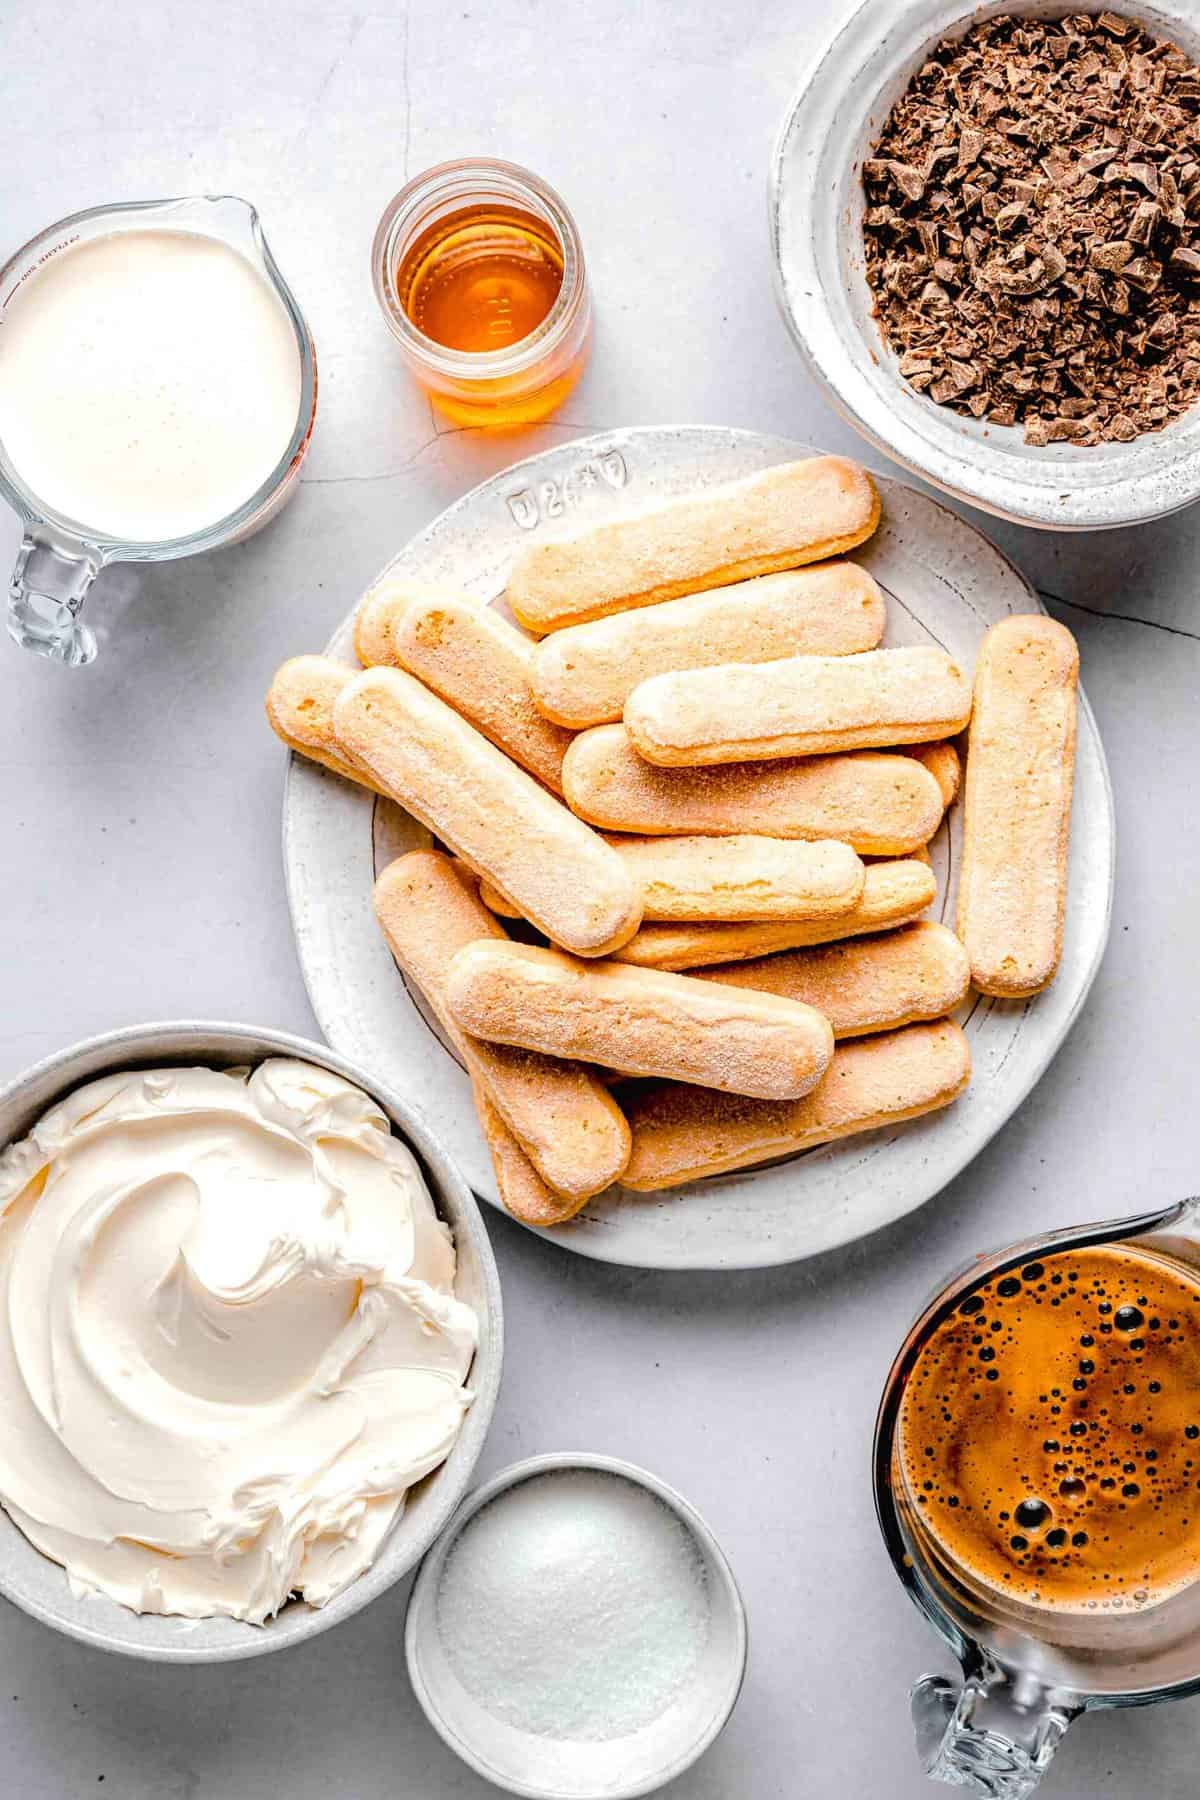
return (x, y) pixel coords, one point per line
(47, 590)
(980, 1736)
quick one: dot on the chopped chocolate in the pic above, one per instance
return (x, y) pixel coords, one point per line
(1032, 230)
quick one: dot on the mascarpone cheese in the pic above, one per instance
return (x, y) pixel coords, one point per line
(229, 1341)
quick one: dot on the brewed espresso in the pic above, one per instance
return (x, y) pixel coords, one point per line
(1049, 1431)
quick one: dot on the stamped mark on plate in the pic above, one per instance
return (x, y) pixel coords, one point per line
(548, 500)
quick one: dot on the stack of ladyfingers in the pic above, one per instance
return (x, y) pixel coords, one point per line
(704, 795)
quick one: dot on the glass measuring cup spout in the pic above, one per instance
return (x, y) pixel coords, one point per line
(60, 554)
(1038, 1636)
(49, 584)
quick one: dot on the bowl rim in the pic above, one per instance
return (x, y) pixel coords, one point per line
(419, 1613)
(130, 1045)
(948, 459)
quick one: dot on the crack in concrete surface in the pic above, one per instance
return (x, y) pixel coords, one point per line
(1100, 612)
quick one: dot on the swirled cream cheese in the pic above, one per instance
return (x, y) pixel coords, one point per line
(229, 1341)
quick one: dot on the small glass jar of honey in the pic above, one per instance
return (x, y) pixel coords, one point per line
(479, 271)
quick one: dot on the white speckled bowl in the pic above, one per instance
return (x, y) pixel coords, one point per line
(816, 209)
(545, 1768)
(38, 1585)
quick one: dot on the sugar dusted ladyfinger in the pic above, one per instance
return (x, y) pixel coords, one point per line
(491, 896)
(885, 901)
(562, 1117)
(943, 763)
(566, 880)
(521, 1189)
(584, 675)
(920, 854)
(379, 612)
(880, 805)
(300, 711)
(640, 1021)
(866, 984)
(746, 877)
(683, 1134)
(481, 664)
(799, 706)
(801, 512)
(893, 894)
(495, 902)
(1012, 892)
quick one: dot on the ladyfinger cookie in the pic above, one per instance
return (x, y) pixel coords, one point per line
(491, 896)
(300, 711)
(893, 894)
(480, 664)
(379, 611)
(866, 984)
(562, 1117)
(640, 1021)
(943, 763)
(801, 512)
(920, 854)
(585, 674)
(1012, 891)
(495, 902)
(799, 706)
(880, 805)
(521, 1189)
(683, 1134)
(745, 877)
(566, 880)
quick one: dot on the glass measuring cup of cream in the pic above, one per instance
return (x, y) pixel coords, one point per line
(478, 269)
(157, 393)
(1037, 1481)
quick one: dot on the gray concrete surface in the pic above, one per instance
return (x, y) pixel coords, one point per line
(139, 813)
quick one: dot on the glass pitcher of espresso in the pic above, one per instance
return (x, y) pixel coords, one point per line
(157, 393)
(1037, 1482)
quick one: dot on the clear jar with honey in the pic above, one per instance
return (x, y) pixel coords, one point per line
(479, 271)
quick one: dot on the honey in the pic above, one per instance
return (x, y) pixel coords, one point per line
(479, 271)
(482, 279)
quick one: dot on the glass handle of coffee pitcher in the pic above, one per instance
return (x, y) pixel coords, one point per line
(49, 584)
(985, 1734)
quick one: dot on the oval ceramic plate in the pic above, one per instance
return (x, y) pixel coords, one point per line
(945, 585)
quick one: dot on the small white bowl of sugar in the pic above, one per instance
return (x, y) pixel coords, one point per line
(576, 1632)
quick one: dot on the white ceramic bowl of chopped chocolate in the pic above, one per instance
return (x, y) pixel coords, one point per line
(986, 231)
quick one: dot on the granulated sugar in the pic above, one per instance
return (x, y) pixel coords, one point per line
(575, 1605)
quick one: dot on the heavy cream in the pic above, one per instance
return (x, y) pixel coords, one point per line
(229, 1341)
(149, 383)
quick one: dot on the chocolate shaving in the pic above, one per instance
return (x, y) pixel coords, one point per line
(1032, 229)
(1142, 172)
(1112, 258)
(1142, 221)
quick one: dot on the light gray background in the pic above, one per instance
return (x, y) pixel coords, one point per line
(140, 806)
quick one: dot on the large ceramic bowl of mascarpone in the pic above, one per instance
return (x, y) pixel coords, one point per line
(250, 1340)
